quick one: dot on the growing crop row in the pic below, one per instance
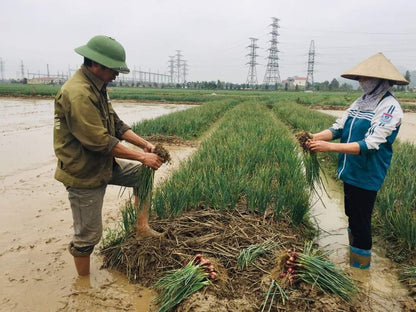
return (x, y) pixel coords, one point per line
(189, 124)
(300, 118)
(28, 90)
(251, 157)
(396, 201)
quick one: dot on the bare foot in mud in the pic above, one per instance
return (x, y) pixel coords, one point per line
(148, 233)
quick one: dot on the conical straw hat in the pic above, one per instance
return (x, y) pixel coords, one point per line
(377, 66)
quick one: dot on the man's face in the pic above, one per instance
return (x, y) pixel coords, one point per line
(105, 74)
(108, 74)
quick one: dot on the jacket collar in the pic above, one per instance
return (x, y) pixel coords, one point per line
(98, 83)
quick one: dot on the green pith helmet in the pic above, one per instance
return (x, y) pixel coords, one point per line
(105, 51)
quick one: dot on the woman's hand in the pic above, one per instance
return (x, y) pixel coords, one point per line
(352, 148)
(319, 146)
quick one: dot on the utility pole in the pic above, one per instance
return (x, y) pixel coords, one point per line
(184, 70)
(272, 75)
(252, 74)
(178, 65)
(311, 62)
(134, 75)
(171, 68)
(2, 68)
(22, 70)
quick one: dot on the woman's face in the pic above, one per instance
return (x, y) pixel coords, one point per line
(368, 84)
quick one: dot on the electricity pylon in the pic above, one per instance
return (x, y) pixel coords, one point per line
(252, 74)
(311, 63)
(272, 75)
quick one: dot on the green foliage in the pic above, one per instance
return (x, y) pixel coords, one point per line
(314, 268)
(408, 275)
(302, 119)
(115, 236)
(248, 255)
(179, 284)
(250, 155)
(28, 90)
(189, 124)
(269, 300)
(396, 200)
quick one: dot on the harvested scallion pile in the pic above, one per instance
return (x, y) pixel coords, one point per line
(314, 268)
(177, 285)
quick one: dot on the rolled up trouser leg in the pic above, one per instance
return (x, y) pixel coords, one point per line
(80, 251)
(86, 206)
(360, 258)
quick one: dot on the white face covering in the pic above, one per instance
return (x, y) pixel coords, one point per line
(369, 85)
(374, 89)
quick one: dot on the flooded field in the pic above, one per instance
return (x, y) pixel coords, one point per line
(38, 273)
(36, 224)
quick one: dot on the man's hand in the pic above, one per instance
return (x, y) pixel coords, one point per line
(149, 148)
(152, 160)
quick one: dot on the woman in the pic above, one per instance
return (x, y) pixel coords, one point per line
(367, 131)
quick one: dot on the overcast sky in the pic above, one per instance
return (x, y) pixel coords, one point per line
(213, 35)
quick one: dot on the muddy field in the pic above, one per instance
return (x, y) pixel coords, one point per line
(38, 273)
(36, 225)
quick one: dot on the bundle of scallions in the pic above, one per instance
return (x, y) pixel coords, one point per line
(144, 191)
(314, 268)
(311, 161)
(179, 284)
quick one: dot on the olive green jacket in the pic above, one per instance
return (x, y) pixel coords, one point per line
(86, 129)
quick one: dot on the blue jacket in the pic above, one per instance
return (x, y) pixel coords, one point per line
(375, 131)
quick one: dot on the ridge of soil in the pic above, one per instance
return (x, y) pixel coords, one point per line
(220, 236)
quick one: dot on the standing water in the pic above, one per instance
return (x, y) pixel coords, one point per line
(380, 286)
(36, 225)
(38, 273)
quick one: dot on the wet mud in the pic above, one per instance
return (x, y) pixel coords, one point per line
(36, 224)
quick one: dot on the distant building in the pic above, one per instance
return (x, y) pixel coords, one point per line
(46, 80)
(293, 82)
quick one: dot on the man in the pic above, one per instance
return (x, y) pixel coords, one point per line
(87, 135)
